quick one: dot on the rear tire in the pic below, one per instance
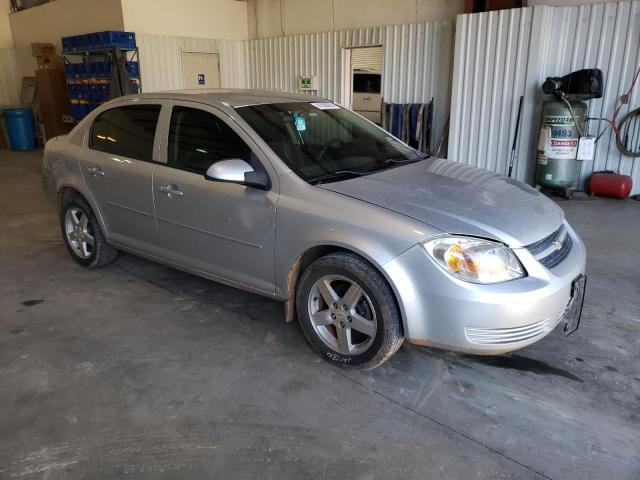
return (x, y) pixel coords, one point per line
(82, 234)
(347, 311)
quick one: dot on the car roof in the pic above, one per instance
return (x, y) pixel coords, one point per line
(230, 97)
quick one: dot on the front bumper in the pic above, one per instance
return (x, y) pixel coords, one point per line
(442, 311)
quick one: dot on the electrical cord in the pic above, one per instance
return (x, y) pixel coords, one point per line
(621, 146)
(612, 122)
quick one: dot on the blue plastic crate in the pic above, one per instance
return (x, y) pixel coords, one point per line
(99, 41)
(102, 92)
(133, 69)
(98, 92)
(79, 110)
(66, 44)
(75, 71)
(99, 69)
(78, 91)
(122, 40)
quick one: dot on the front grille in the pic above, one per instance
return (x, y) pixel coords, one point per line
(502, 336)
(551, 250)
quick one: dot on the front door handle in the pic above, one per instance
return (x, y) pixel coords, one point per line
(171, 190)
(95, 171)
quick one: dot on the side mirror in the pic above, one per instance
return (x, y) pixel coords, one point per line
(235, 170)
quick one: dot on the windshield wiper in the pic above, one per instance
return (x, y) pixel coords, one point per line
(406, 160)
(337, 174)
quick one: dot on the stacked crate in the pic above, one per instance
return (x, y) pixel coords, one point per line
(88, 68)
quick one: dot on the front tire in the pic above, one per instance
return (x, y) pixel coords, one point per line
(82, 234)
(348, 312)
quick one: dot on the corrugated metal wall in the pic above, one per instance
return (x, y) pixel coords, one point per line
(606, 36)
(416, 63)
(9, 78)
(502, 55)
(417, 67)
(276, 63)
(161, 60)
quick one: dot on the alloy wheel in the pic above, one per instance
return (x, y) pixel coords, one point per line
(342, 315)
(76, 227)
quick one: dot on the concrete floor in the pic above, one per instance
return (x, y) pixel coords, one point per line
(142, 370)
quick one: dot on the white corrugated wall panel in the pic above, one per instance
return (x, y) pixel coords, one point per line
(9, 78)
(489, 75)
(605, 36)
(161, 60)
(416, 63)
(276, 63)
(417, 67)
(502, 55)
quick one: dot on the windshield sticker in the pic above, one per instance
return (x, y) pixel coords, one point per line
(325, 105)
(300, 122)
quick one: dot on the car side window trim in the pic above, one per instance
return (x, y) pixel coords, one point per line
(261, 157)
(158, 135)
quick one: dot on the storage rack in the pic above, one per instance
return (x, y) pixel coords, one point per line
(89, 80)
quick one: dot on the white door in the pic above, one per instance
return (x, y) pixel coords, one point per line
(201, 70)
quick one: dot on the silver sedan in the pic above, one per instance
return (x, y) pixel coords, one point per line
(367, 240)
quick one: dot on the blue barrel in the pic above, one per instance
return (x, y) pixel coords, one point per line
(20, 128)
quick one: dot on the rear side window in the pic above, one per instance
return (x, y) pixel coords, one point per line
(126, 131)
(197, 139)
(99, 131)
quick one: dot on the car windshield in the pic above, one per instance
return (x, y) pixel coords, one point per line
(322, 142)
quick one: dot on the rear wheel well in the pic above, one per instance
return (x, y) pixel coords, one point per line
(65, 192)
(306, 259)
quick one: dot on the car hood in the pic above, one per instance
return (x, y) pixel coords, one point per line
(459, 199)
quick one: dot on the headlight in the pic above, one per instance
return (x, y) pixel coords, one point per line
(475, 260)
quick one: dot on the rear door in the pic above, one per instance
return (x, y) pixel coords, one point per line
(117, 166)
(223, 229)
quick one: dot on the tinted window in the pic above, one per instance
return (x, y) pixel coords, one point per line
(131, 131)
(126, 131)
(99, 131)
(198, 139)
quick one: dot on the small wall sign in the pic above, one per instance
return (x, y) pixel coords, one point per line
(306, 83)
(201, 79)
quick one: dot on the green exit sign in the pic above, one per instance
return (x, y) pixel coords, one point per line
(306, 83)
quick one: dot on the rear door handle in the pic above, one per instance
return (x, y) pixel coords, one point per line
(95, 171)
(170, 190)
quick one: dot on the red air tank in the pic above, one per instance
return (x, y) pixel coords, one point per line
(610, 184)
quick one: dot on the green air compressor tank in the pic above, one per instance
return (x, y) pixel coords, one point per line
(557, 167)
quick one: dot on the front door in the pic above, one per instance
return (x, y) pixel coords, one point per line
(223, 229)
(118, 171)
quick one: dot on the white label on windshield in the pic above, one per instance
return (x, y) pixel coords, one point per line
(325, 105)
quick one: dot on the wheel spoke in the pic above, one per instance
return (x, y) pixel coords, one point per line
(83, 222)
(363, 325)
(86, 238)
(322, 318)
(352, 296)
(75, 216)
(344, 340)
(329, 295)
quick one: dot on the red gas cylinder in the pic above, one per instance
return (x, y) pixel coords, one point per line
(610, 184)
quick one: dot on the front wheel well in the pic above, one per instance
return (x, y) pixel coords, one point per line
(306, 259)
